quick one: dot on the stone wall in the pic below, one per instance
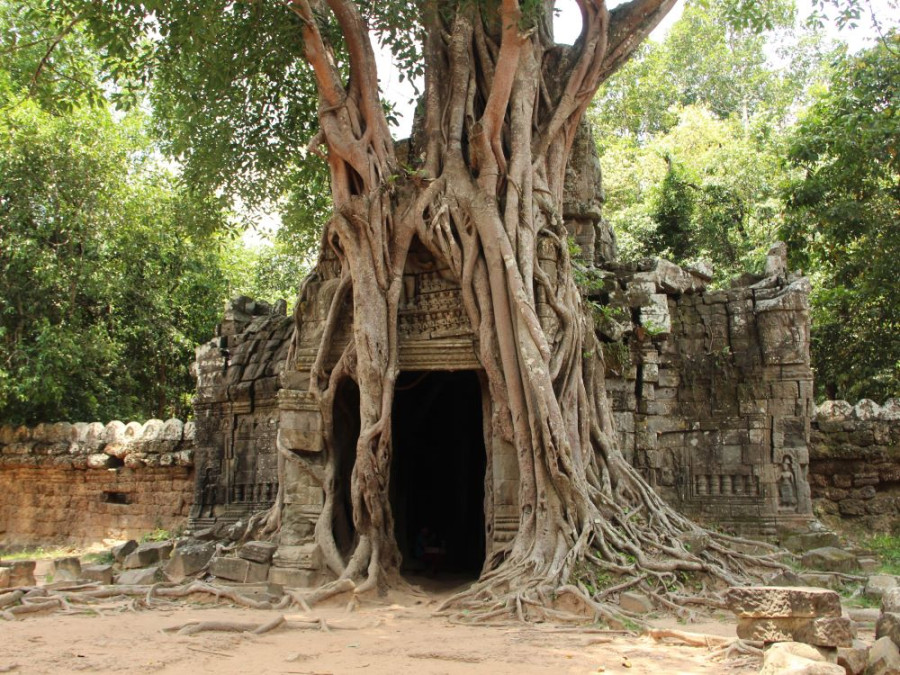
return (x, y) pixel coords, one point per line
(81, 483)
(855, 464)
(712, 389)
(236, 412)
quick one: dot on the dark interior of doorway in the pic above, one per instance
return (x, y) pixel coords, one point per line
(438, 472)
(346, 433)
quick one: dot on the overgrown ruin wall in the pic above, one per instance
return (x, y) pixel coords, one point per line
(82, 483)
(712, 389)
(855, 464)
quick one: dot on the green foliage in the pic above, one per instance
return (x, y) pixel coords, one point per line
(887, 546)
(843, 223)
(109, 273)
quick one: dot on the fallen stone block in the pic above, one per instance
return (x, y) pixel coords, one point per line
(258, 551)
(890, 601)
(148, 554)
(139, 577)
(102, 574)
(4, 577)
(878, 584)
(66, 569)
(884, 658)
(797, 659)
(810, 540)
(782, 602)
(238, 569)
(853, 659)
(823, 632)
(888, 625)
(830, 559)
(122, 551)
(637, 603)
(21, 573)
(188, 560)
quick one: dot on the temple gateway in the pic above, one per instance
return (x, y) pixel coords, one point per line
(712, 393)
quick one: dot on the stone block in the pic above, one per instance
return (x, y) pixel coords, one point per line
(824, 632)
(122, 551)
(139, 577)
(66, 569)
(888, 625)
(188, 560)
(294, 578)
(636, 603)
(797, 659)
(782, 602)
(238, 569)
(101, 574)
(258, 551)
(853, 659)
(21, 573)
(4, 577)
(890, 601)
(830, 559)
(878, 584)
(148, 554)
(810, 540)
(884, 658)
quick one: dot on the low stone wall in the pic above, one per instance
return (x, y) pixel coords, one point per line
(854, 468)
(80, 483)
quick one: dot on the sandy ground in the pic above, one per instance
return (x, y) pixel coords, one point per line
(400, 635)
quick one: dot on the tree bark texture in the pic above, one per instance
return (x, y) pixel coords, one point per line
(484, 195)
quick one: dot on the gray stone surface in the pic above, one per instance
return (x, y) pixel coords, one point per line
(637, 603)
(796, 659)
(21, 573)
(66, 569)
(830, 559)
(878, 584)
(806, 541)
(139, 577)
(148, 554)
(822, 632)
(782, 602)
(188, 560)
(853, 659)
(258, 551)
(122, 551)
(888, 625)
(884, 658)
(890, 600)
(102, 574)
(238, 569)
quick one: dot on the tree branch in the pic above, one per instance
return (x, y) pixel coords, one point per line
(629, 25)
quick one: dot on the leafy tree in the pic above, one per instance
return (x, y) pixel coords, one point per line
(690, 133)
(108, 275)
(844, 222)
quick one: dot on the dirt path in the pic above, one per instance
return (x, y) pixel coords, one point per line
(399, 636)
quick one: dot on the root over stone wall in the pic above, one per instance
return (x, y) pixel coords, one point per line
(82, 483)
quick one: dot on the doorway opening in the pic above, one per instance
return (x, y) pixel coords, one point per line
(346, 435)
(438, 473)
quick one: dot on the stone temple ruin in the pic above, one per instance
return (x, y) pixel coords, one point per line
(712, 392)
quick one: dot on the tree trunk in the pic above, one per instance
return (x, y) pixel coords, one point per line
(484, 196)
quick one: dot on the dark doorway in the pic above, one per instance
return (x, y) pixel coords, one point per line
(438, 472)
(346, 434)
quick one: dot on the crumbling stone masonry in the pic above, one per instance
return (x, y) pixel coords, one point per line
(713, 389)
(236, 412)
(82, 483)
(855, 463)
